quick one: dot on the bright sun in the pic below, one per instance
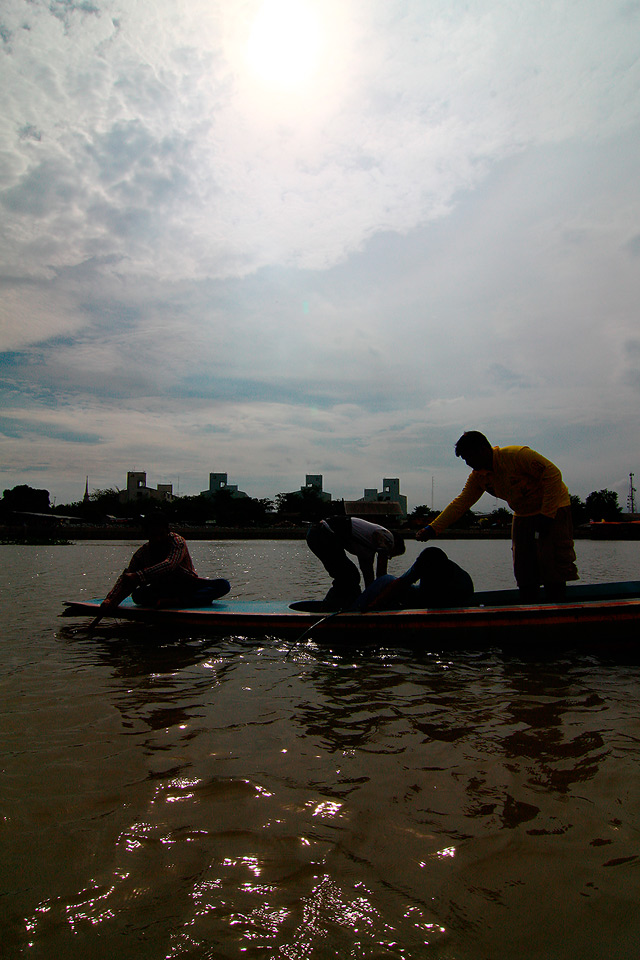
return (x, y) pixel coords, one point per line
(285, 42)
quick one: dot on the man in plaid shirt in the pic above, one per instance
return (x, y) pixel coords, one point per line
(161, 573)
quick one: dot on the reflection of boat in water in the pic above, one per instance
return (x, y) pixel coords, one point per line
(610, 610)
(615, 530)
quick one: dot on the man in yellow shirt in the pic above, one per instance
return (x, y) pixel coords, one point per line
(542, 532)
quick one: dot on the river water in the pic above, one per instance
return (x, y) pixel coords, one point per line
(239, 798)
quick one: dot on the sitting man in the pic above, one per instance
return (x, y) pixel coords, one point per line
(161, 573)
(441, 583)
(333, 538)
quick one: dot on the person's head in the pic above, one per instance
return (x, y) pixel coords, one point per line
(431, 561)
(399, 546)
(475, 450)
(155, 527)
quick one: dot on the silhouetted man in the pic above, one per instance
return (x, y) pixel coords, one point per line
(542, 531)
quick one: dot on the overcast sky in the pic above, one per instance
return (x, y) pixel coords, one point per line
(317, 236)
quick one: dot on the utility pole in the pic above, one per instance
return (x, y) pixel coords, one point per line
(631, 499)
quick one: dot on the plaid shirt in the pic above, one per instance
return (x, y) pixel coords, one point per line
(153, 562)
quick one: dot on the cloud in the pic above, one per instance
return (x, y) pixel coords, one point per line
(167, 156)
(15, 428)
(436, 230)
(632, 362)
(33, 314)
(633, 245)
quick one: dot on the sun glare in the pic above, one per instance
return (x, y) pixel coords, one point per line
(284, 44)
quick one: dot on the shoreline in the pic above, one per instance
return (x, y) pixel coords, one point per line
(70, 532)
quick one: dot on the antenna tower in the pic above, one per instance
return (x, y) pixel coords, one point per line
(631, 499)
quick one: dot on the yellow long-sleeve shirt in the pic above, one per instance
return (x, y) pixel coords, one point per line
(529, 483)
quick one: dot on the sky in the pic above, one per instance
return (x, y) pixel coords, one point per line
(275, 238)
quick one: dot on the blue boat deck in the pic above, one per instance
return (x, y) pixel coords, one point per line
(497, 615)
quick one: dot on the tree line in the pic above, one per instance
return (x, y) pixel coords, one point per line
(599, 505)
(223, 509)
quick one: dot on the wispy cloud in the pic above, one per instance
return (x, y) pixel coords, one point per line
(436, 229)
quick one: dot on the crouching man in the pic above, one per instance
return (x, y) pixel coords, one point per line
(433, 580)
(161, 573)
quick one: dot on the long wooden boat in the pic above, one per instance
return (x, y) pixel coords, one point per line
(609, 610)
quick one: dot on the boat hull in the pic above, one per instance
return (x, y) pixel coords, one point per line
(615, 530)
(601, 609)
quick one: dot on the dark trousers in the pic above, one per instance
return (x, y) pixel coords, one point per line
(543, 557)
(327, 544)
(180, 590)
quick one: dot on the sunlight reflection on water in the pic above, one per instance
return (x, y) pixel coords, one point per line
(217, 799)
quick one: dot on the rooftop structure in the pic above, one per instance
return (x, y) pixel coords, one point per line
(390, 494)
(217, 482)
(313, 481)
(137, 489)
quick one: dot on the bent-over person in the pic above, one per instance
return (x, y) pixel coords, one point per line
(542, 530)
(370, 543)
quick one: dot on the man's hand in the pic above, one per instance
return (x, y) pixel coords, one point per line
(425, 534)
(102, 611)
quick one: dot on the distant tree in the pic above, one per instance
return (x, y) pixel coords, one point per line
(305, 505)
(420, 516)
(106, 493)
(25, 499)
(225, 507)
(603, 505)
(579, 513)
(467, 520)
(233, 511)
(104, 502)
(100, 504)
(198, 509)
(262, 509)
(501, 518)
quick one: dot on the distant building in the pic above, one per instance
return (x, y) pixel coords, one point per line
(390, 494)
(313, 481)
(217, 482)
(137, 489)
